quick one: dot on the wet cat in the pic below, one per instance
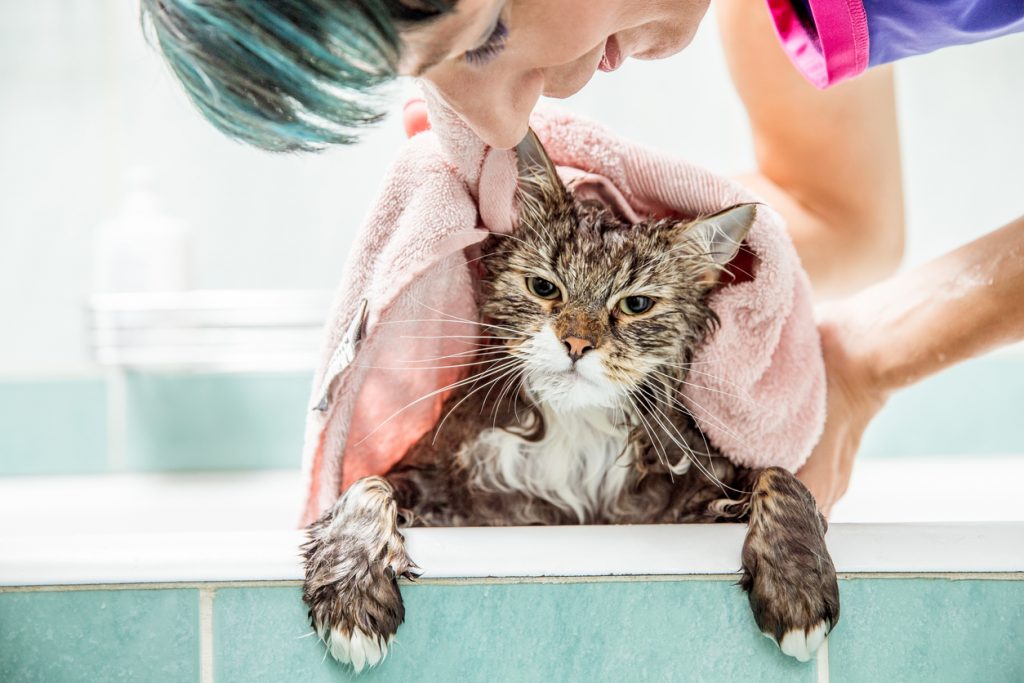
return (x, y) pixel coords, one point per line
(572, 415)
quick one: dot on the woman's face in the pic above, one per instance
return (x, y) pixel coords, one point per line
(491, 60)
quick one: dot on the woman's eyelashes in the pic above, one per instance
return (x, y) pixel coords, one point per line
(490, 48)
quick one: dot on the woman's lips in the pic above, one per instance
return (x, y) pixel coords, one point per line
(612, 58)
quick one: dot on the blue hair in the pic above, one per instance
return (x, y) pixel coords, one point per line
(286, 75)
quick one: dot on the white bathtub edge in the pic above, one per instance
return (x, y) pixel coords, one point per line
(664, 550)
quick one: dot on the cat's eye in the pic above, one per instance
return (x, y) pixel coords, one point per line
(538, 286)
(635, 305)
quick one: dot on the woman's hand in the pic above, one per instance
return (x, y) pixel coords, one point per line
(853, 400)
(911, 326)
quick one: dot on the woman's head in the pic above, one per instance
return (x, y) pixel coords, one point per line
(301, 74)
(541, 47)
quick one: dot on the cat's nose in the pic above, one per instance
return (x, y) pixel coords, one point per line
(577, 346)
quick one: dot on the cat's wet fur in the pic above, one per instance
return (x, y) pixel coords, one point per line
(572, 415)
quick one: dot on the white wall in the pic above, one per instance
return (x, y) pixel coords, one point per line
(82, 97)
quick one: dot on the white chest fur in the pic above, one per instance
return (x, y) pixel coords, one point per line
(580, 465)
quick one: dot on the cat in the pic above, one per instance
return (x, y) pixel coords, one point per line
(572, 415)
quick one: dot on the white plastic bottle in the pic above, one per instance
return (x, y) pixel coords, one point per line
(140, 248)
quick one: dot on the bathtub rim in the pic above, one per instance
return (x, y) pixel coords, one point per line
(527, 553)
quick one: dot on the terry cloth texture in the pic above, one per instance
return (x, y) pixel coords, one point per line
(759, 395)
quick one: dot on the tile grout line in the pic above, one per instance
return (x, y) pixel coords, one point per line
(822, 662)
(206, 597)
(491, 580)
(117, 422)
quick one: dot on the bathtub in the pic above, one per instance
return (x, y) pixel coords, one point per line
(197, 577)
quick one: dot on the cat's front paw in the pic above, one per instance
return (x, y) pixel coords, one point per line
(787, 571)
(795, 600)
(354, 557)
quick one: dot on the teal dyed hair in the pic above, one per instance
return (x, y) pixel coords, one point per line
(286, 75)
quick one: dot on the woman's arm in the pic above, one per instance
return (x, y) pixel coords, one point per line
(900, 331)
(827, 160)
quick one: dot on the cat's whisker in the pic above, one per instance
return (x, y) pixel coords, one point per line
(672, 469)
(462, 264)
(504, 371)
(457, 336)
(709, 256)
(449, 320)
(468, 380)
(488, 394)
(511, 384)
(428, 368)
(440, 425)
(497, 350)
(708, 415)
(519, 390)
(464, 320)
(473, 347)
(686, 410)
(411, 321)
(530, 206)
(520, 240)
(694, 458)
(501, 395)
(743, 396)
(692, 363)
(479, 347)
(688, 452)
(717, 391)
(655, 441)
(691, 371)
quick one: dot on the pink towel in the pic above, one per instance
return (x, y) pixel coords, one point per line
(407, 297)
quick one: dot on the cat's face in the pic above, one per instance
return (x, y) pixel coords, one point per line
(594, 307)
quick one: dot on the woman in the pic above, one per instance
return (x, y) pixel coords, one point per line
(300, 74)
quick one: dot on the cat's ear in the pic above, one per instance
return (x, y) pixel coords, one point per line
(720, 236)
(538, 180)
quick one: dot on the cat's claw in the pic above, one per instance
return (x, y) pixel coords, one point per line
(803, 643)
(356, 648)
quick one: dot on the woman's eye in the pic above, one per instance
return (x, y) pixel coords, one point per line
(490, 48)
(542, 288)
(635, 305)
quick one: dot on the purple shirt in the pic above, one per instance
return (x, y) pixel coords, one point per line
(831, 41)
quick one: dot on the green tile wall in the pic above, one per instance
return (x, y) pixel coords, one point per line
(228, 421)
(149, 636)
(53, 426)
(930, 630)
(609, 631)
